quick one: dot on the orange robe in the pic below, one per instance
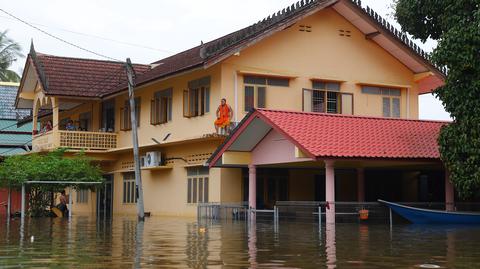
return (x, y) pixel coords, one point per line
(224, 118)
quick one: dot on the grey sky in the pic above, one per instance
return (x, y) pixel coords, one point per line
(160, 28)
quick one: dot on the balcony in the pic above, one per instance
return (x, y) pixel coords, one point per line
(77, 140)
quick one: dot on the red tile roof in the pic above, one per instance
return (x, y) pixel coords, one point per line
(78, 77)
(339, 136)
(327, 135)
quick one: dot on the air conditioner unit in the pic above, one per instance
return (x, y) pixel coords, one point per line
(153, 158)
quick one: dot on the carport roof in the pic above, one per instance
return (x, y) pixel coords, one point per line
(321, 135)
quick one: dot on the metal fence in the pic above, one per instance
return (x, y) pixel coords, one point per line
(314, 211)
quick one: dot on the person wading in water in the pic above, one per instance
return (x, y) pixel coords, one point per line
(63, 203)
(224, 115)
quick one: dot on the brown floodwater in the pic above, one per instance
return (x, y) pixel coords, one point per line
(183, 243)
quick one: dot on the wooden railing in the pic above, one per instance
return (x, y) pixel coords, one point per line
(74, 140)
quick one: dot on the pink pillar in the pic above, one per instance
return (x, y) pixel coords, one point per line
(252, 186)
(361, 184)
(449, 194)
(330, 191)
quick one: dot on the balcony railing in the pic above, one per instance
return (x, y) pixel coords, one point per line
(74, 140)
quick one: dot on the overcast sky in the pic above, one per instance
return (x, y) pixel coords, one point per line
(148, 30)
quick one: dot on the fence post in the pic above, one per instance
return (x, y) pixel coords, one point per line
(319, 218)
(391, 222)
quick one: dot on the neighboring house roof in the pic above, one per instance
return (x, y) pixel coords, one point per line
(77, 77)
(13, 138)
(8, 93)
(322, 135)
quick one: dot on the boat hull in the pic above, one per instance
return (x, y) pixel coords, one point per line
(427, 216)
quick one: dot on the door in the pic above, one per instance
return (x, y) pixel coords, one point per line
(108, 116)
(105, 198)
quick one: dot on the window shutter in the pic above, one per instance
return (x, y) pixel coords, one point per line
(207, 99)
(307, 100)
(153, 108)
(138, 103)
(386, 106)
(396, 107)
(205, 190)
(189, 191)
(261, 97)
(347, 104)
(170, 107)
(249, 98)
(186, 105)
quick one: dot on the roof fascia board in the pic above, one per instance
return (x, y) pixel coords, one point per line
(269, 32)
(154, 80)
(388, 34)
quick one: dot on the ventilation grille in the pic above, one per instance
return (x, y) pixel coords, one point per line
(305, 28)
(345, 33)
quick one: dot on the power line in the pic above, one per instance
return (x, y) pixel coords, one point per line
(98, 37)
(58, 38)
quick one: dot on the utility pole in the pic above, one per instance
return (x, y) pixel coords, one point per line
(136, 158)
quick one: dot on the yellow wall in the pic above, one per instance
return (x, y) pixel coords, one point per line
(320, 54)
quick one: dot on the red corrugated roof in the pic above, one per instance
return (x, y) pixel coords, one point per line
(323, 135)
(68, 76)
(328, 135)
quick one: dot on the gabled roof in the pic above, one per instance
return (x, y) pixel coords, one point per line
(214, 51)
(321, 135)
(77, 77)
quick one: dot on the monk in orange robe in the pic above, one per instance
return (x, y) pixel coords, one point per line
(224, 115)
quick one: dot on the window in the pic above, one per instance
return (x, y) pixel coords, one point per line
(196, 100)
(272, 81)
(125, 119)
(129, 188)
(82, 196)
(256, 92)
(161, 107)
(325, 97)
(390, 99)
(197, 185)
(391, 107)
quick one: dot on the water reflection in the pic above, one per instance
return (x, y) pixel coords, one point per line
(184, 243)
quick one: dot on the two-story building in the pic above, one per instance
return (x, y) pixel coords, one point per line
(322, 56)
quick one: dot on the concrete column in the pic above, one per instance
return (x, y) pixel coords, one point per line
(330, 191)
(55, 114)
(252, 187)
(449, 194)
(361, 184)
(22, 215)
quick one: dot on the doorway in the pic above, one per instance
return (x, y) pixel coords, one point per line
(108, 116)
(105, 198)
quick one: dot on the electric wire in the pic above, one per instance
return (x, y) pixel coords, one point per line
(58, 38)
(98, 37)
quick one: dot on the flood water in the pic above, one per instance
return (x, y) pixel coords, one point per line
(183, 243)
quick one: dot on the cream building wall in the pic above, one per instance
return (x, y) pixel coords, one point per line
(321, 54)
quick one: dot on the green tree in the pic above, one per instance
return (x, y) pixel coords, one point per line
(455, 24)
(9, 52)
(54, 166)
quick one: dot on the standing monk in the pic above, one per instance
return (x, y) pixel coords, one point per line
(224, 115)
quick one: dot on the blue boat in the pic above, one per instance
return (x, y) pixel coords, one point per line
(428, 216)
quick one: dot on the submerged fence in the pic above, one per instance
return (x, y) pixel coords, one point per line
(314, 211)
